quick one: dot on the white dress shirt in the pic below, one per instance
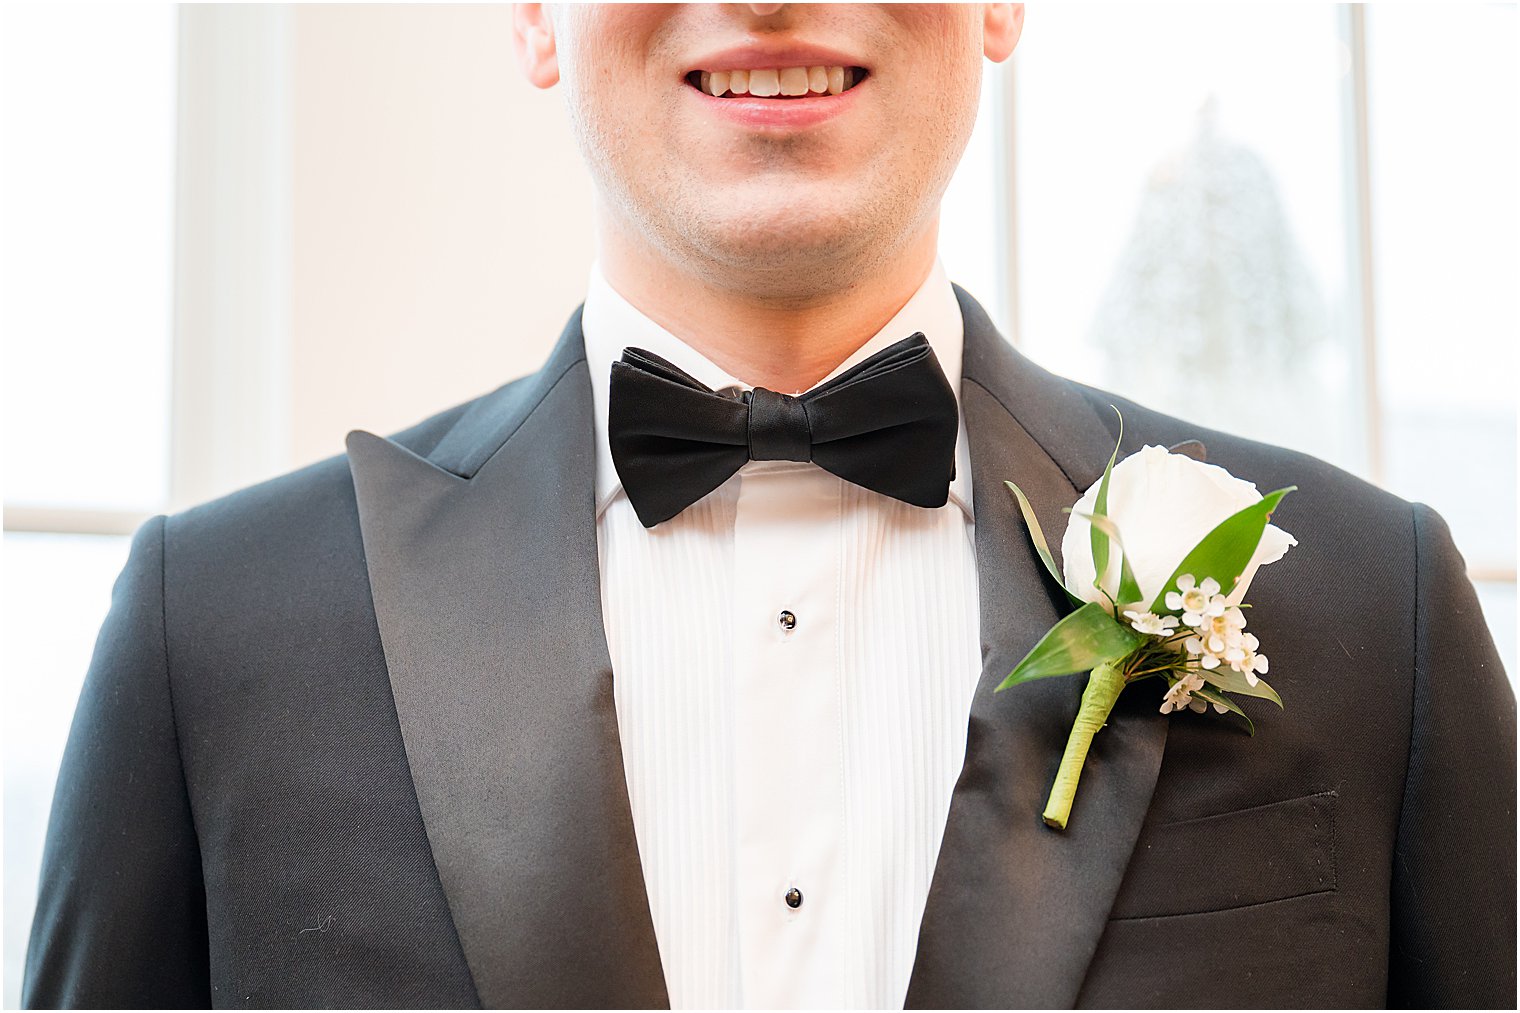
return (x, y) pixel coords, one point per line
(763, 759)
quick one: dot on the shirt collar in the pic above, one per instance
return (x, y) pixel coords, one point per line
(610, 323)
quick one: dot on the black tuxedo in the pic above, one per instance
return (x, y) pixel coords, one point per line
(348, 739)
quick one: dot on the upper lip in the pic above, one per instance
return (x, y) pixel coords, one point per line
(762, 55)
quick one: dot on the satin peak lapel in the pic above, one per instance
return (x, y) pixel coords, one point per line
(1016, 909)
(483, 567)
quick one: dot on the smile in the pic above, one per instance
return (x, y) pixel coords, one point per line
(777, 82)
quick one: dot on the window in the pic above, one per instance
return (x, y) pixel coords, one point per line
(1441, 129)
(87, 122)
(1311, 206)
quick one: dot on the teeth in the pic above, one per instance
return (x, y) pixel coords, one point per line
(794, 81)
(764, 83)
(771, 81)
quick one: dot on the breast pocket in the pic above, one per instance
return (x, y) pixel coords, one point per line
(1230, 860)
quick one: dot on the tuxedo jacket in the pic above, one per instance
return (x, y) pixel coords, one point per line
(348, 739)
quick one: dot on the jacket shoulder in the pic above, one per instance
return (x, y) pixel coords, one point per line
(1321, 487)
(320, 492)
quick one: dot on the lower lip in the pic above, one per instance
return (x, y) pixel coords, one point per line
(777, 113)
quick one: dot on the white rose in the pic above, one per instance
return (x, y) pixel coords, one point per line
(1163, 505)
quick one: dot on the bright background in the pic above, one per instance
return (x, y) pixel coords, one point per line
(231, 234)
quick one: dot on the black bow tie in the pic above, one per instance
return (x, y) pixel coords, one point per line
(888, 423)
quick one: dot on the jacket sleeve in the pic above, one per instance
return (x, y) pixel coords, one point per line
(1452, 940)
(121, 910)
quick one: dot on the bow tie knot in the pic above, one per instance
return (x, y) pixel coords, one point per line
(888, 424)
(778, 427)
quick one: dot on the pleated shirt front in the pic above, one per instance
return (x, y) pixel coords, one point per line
(793, 663)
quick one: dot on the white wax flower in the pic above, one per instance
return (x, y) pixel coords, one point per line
(1152, 624)
(1163, 505)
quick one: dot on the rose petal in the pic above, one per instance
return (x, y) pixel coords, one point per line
(1163, 505)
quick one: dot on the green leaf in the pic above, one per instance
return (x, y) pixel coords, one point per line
(1099, 535)
(1214, 696)
(1038, 538)
(1226, 551)
(1129, 588)
(1083, 640)
(1231, 681)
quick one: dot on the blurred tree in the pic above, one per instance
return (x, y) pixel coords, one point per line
(1211, 288)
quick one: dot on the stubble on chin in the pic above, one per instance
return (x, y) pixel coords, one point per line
(775, 237)
(775, 220)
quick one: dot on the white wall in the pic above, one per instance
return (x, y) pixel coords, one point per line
(442, 217)
(378, 218)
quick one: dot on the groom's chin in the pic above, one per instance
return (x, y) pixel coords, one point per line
(771, 228)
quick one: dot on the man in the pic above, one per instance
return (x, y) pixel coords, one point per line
(533, 705)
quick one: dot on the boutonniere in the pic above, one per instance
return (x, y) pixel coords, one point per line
(1158, 556)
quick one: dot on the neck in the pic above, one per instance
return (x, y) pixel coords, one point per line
(785, 341)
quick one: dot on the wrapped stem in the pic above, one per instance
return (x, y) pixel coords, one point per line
(1098, 699)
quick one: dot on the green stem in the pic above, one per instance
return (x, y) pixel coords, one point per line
(1098, 699)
